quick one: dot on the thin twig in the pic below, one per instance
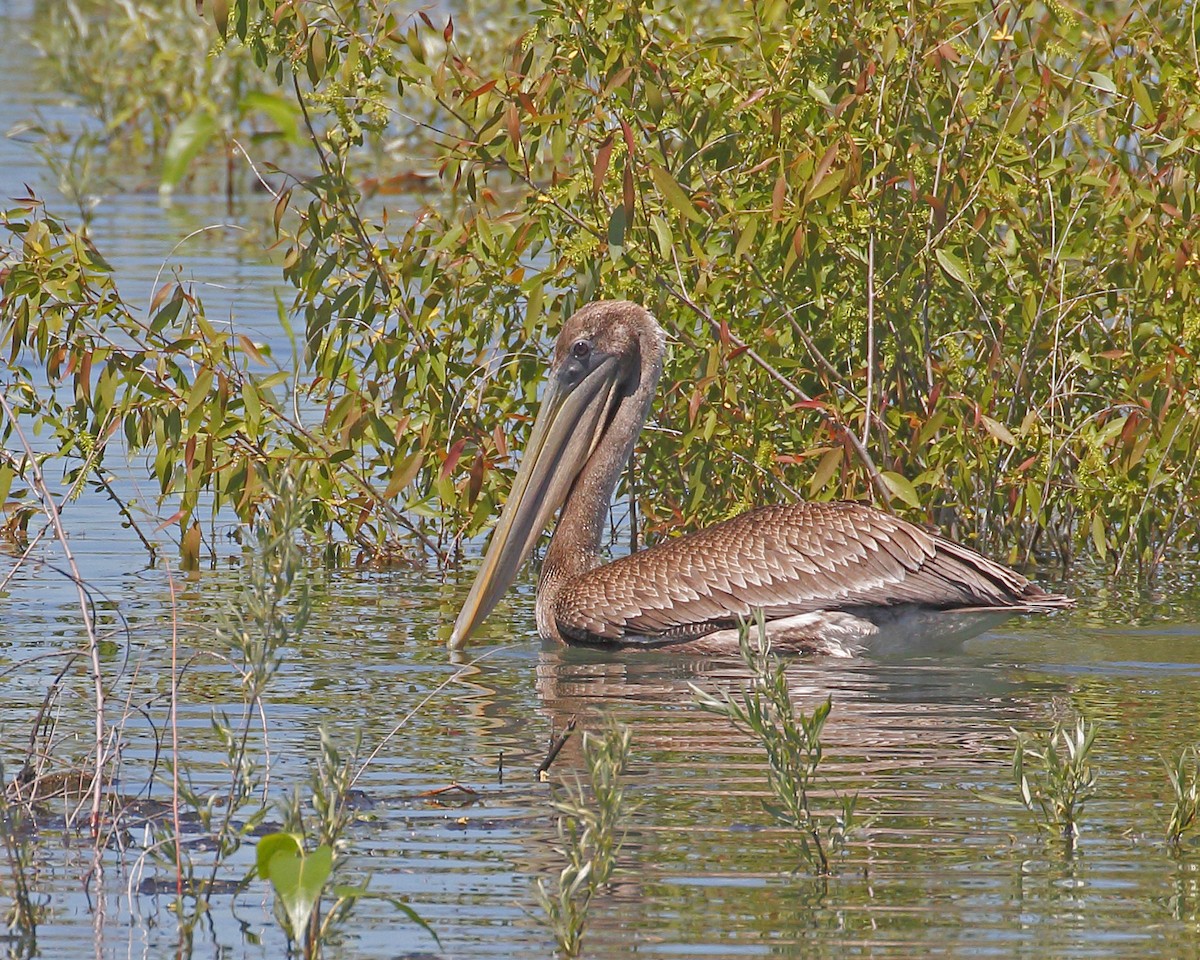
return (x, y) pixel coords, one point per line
(175, 733)
(866, 436)
(555, 749)
(403, 722)
(38, 482)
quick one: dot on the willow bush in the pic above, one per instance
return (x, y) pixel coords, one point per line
(938, 254)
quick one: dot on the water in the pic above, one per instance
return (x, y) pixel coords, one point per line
(922, 734)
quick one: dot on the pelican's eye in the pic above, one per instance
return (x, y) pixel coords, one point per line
(581, 349)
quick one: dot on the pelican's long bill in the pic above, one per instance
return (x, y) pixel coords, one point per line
(573, 415)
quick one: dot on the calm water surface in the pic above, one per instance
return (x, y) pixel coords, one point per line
(921, 733)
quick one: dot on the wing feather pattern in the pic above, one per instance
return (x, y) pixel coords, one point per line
(788, 560)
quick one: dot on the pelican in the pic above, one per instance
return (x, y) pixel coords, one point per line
(824, 575)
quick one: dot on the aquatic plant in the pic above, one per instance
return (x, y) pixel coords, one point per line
(302, 877)
(792, 741)
(589, 837)
(163, 99)
(1184, 777)
(302, 874)
(298, 877)
(252, 634)
(1054, 776)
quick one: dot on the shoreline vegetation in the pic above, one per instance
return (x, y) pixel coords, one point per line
(939, 256)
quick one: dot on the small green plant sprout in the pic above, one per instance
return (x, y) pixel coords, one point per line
(298, 877)
(1184, 775)
(1055, 777)
(792, 741)
(589, 837)
(302, 878)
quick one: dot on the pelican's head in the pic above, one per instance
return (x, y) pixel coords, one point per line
(606, 352)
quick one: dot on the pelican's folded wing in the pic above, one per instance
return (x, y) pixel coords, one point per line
(786, 560)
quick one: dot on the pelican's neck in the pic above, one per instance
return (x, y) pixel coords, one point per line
(575, 547)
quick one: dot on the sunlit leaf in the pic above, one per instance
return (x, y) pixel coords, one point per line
(998, 430)
(188, 140)
(827, 467)
(901, 487)
(673, 192)
(953, 266)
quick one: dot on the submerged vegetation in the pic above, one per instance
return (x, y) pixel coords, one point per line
(1055, 777)
(1184, 777)
(590, 833)
(954, 243)
(792, 742)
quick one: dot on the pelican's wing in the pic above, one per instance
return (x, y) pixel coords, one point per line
(786, 560)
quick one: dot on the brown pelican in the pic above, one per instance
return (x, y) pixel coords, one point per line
(823, 574)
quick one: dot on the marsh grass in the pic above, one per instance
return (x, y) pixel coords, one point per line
(792, 742)
(590, 835)
(1184, 777)
(1054, 775)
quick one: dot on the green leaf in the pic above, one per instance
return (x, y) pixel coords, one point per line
(280, 110)
(900, 487)
(187, 141)
(662, 233)
(1099, 540)
(616, 231)
(998, 430)
(953, 266)
(1103, 81)
(825, 471)
(1142, 96)
(270, 845)
(674, 193)
(220, 10)
(298, 877)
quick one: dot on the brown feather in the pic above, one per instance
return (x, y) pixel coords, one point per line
(786, 560)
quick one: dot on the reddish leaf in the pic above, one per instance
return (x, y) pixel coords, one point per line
(628, 134)
(475, 481)
(512, 121)
(778, 195)
(160, 297)
(452, 458)
(600, 167)
(760, 167)
(753, 98)
(481, 90)
(616, 80)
